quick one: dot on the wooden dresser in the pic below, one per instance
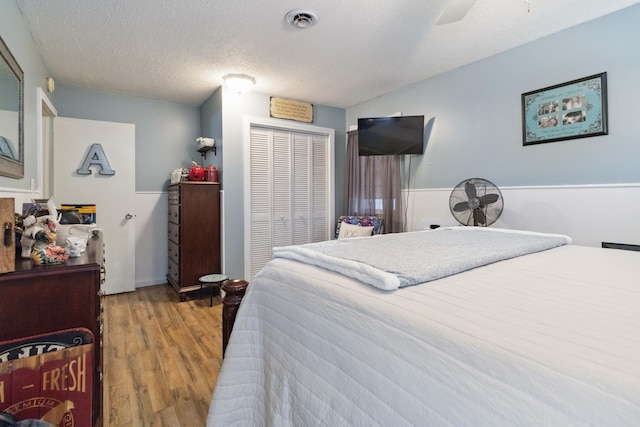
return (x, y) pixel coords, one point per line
(194, 233)
(41, 299)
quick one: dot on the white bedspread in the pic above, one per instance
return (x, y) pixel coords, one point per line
(547, 339)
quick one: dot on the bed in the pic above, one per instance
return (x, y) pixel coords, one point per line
(545, 338)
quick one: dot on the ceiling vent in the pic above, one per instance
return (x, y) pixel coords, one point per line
(302, 18)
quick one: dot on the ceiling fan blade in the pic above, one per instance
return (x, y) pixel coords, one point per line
(461, 207)
(480, 216)
(470, 189)
(455, 11)
(487, 199)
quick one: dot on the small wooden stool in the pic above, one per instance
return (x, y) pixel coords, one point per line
(212, 280)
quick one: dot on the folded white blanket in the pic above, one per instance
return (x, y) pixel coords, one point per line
(392, 261)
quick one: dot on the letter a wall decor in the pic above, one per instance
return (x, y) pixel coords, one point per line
(96, 157)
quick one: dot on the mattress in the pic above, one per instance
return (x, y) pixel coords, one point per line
(549, 338)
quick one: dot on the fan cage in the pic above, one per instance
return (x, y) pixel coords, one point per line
(483, 187)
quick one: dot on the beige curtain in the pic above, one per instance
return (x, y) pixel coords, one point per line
(374, 186)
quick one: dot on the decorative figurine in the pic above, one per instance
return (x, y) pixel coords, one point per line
(45, 251)
(39, 238)
(75, 246)
(28, 235)
(32, 224)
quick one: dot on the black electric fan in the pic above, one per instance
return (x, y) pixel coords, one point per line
(476, 201)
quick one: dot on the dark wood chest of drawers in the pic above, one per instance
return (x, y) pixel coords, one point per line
(41, 299)
(194, 233)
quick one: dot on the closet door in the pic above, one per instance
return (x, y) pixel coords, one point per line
(289, 190)
(258, 236)
(281, 189)
(321, 211)
(301, 194)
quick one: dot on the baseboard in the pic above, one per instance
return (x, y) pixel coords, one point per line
(152, 282)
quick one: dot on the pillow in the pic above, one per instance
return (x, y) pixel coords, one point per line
(349, 230)
(362, 220)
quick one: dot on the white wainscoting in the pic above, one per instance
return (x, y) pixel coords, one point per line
(152, 213)
(19, 196)
(590, 214)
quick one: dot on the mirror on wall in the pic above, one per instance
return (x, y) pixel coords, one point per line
(11, 115)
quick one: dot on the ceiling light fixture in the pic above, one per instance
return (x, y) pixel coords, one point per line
(302, 18)
(239, 83)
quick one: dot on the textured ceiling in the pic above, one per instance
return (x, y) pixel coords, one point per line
(178, 50)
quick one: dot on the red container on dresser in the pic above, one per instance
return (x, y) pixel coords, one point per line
(211, 174)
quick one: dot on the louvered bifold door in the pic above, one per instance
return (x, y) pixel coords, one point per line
(281, 189)
(301, 188)
(319, 188)
(289, 191)
(260, 199)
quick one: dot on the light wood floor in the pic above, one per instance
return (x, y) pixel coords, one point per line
(161, 357)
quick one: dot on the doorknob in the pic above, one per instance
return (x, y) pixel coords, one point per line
(128, 216)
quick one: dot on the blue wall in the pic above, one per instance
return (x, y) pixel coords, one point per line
(165, 132)
(211, 127)
(475, 112)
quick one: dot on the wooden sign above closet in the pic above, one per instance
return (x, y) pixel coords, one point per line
(292, 110)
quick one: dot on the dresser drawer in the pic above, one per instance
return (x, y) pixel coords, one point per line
(174, 232)
(174, 270)
(174, 252)
(174, 213)
(174, 196)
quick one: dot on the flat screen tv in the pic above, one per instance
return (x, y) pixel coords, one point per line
(391, 135)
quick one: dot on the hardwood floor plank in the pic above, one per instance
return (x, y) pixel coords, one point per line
(141, 387)
(167, 417)
(118, 386)
(158, 391)
(186, 407)
(161, 357)
(169, 368)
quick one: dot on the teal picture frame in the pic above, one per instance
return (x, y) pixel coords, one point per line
(571, 110)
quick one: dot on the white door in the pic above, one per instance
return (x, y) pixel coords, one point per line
(104, 154)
